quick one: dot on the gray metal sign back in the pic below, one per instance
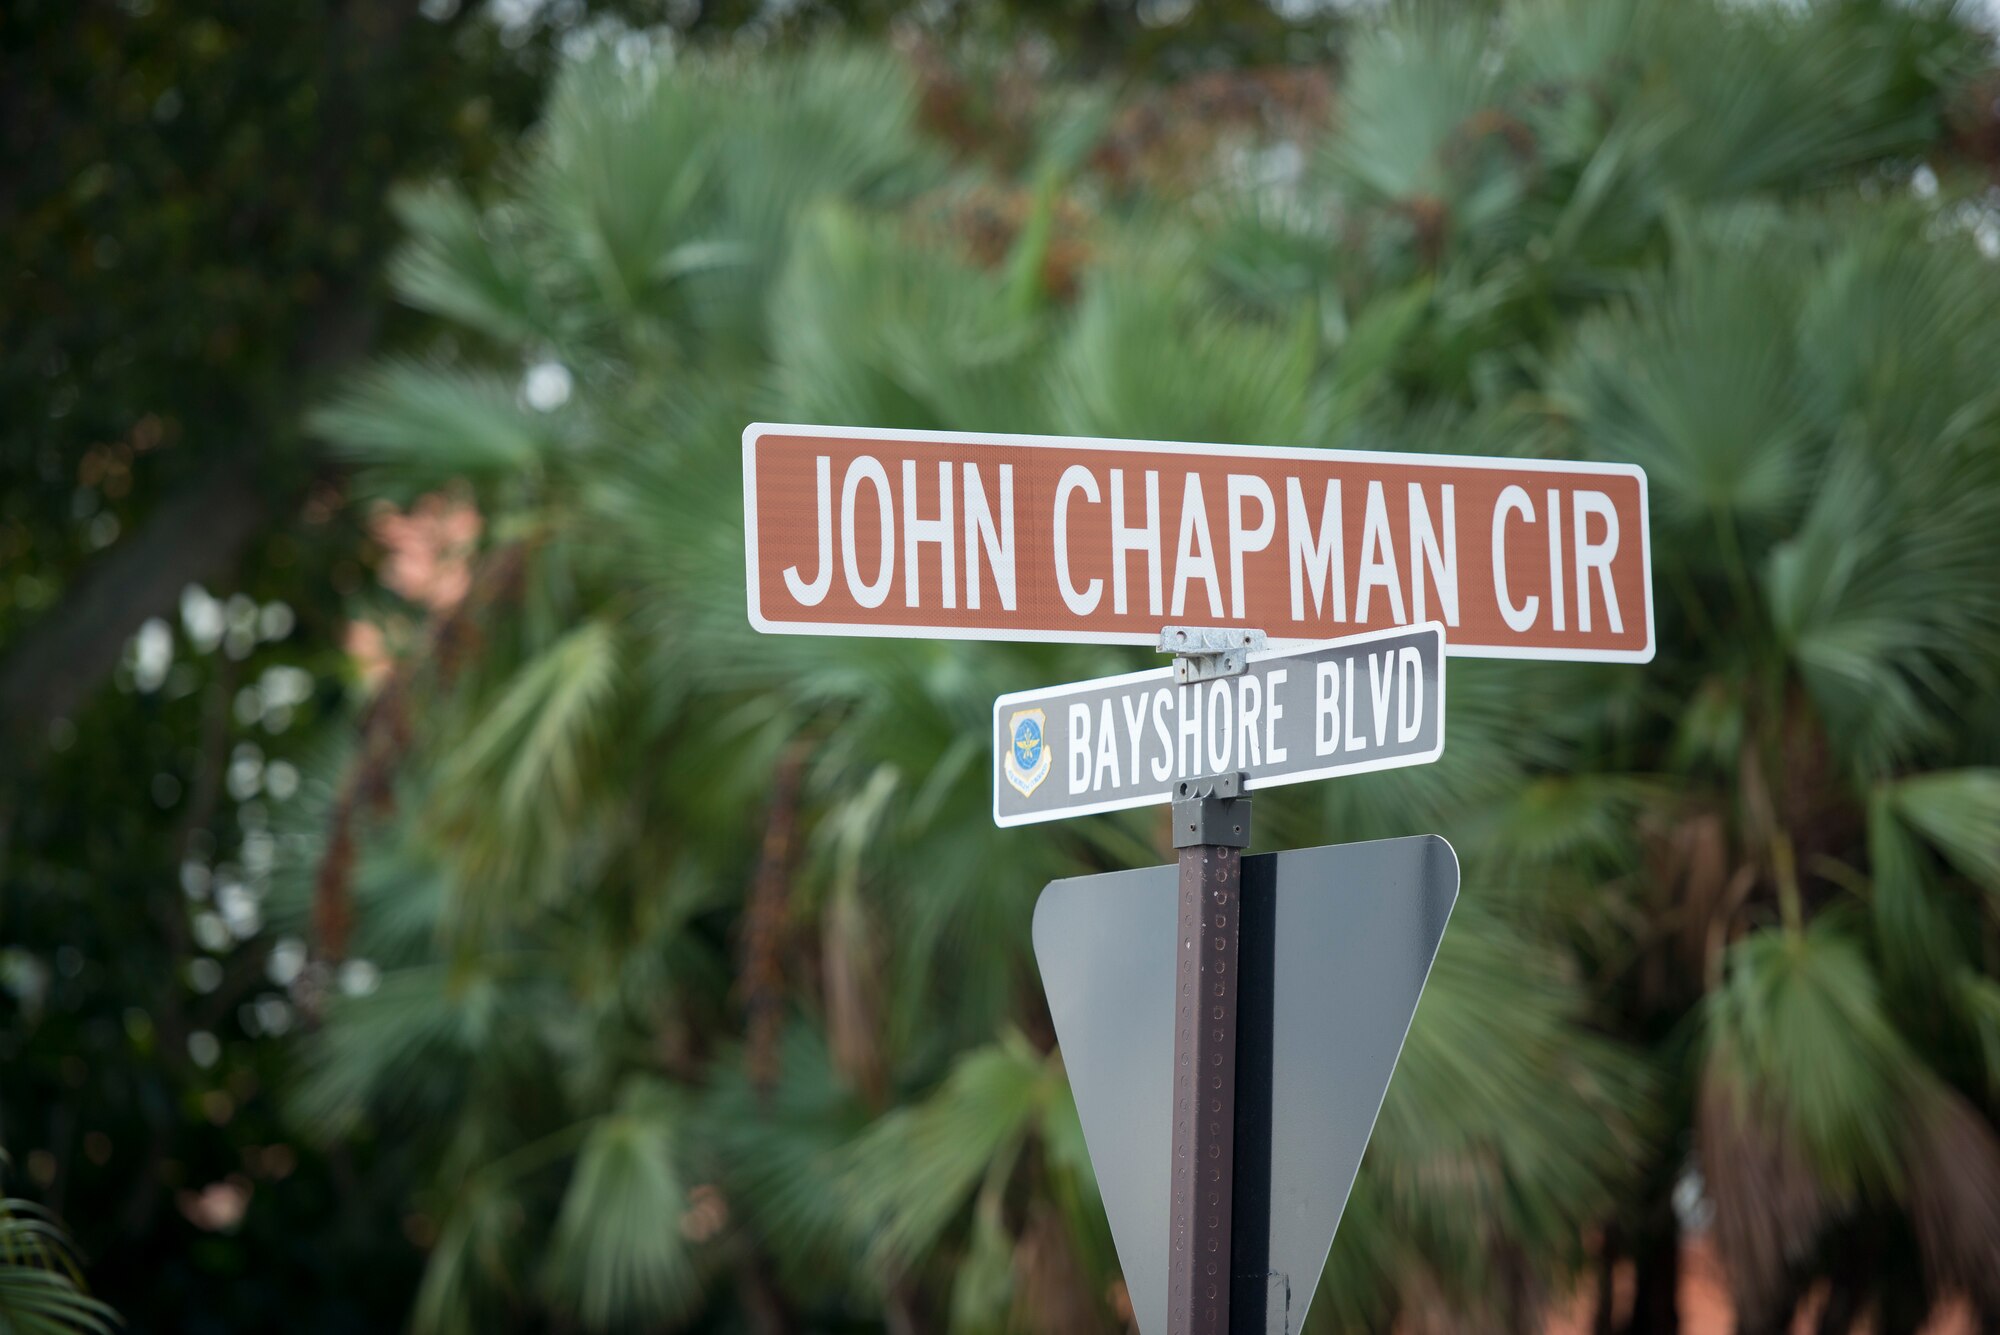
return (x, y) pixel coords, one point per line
(1348, 706)
(1335, 945)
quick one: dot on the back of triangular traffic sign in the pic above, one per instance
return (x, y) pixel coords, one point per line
(1335, 946)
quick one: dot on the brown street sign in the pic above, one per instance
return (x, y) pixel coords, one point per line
(992, 537)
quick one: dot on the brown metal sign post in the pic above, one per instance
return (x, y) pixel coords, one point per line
(1205, 1071)
(1211, 829)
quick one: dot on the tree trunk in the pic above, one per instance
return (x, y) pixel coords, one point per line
(1605, 1320)
(202, 529)
(764, 1307)
(62, 657)
(1844, 1301)
(767, 926)
(903, 1314)
(1656, 1261)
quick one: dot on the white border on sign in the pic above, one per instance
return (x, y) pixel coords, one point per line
(1051, 693)
(757, 430)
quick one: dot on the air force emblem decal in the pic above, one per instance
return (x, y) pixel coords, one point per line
(1028, 754)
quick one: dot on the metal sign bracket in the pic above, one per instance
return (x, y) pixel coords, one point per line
(1213, 810)
(1203, 653)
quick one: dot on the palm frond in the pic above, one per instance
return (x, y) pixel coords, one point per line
(1774, 99)
(434, 425)
(1149, 354)
(465, 266)
(476, 1256)
(531, 747)
(1959, 812)
(879, 333)
(1534, 1129)
(912, 1172)
(782, 1158)
(408, 1047)
(1979, 998)
(623, 184)
(832, 122)
(618, 1257)
(41, 1289)
(1696, 382)
(1911, 920)
(1799, 1034)
(1413, 89)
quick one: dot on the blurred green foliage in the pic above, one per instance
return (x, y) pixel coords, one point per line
(192, 200)
(725, 911)
(195, 199)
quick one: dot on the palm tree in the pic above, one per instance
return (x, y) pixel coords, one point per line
(704, 974)
(41, 1289)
